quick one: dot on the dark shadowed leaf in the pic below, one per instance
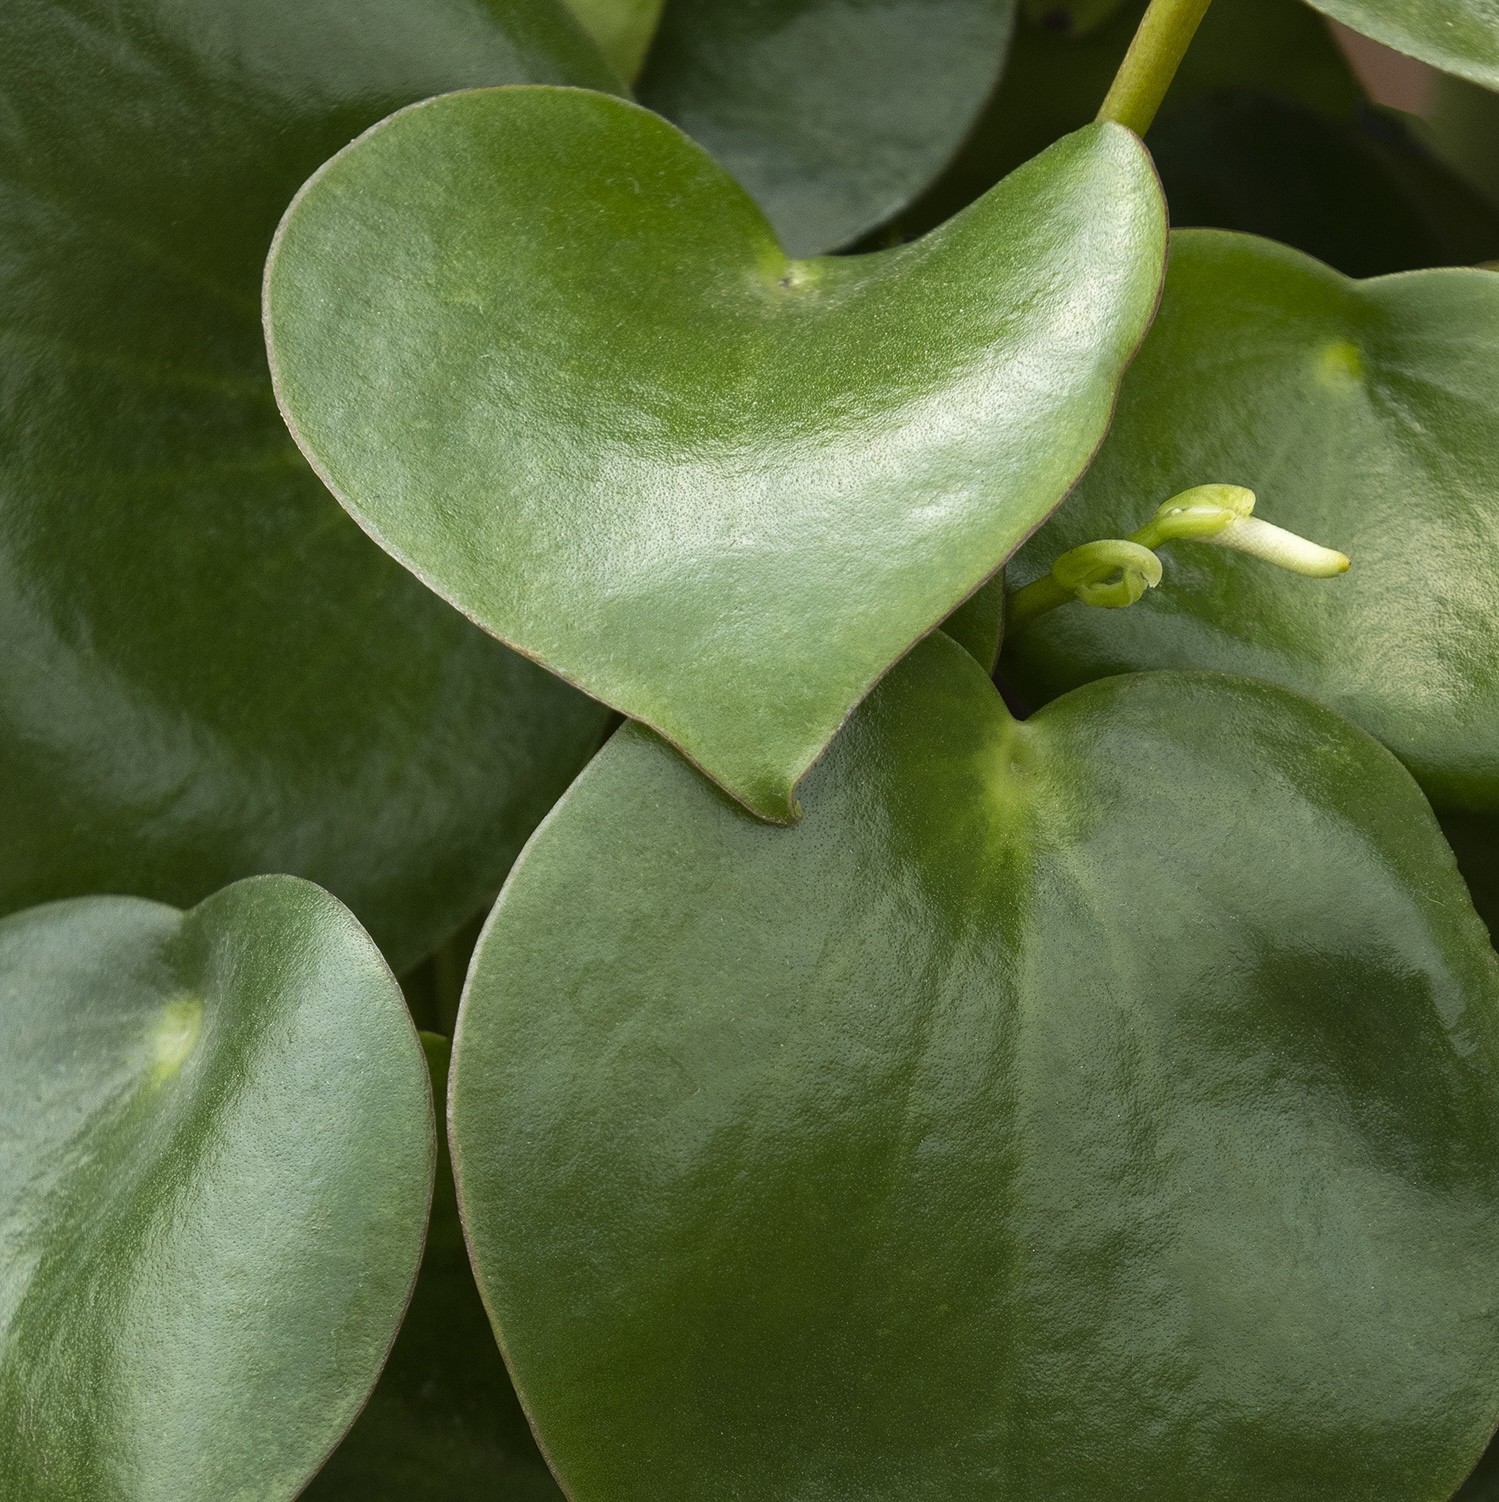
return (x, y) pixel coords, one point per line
(216, 1155)
(834, 114)
(205, 670)
(552, 357)
(1101, 1107)
(1054, 83)
(443, 1424)
(1458, 36)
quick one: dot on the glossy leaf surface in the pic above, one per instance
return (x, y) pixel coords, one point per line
(552, 357)
(1364, 415)
(1458, 36)
(443, 1424)
(834, 114)
(216, 1156)
(205, 670)
(1100, 1107)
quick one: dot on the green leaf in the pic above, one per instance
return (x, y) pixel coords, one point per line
(1054, 83)
(207, 671)
(216, 1154)
(1457, 36)
(1364, 415)
(550, 355)
(622, 29)
(443, 1423)
(1101, 1106)
(978, 624)
(834, 114)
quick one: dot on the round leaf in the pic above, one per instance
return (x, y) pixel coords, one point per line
(550, 355)
(833, 113)
(207, 671)
(1364, 415)
(216, 1155)
(1101, 1106)
(443, 1422)
(1457, 36)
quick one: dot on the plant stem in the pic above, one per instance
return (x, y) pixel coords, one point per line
(1166, 30)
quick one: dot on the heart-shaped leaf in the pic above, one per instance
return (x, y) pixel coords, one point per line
(216, 1155)
(1102, 1106)
(205, 670)
(443, 1422)
(834, 114)
(551, 357)
(1364, 415)
(1458, 36)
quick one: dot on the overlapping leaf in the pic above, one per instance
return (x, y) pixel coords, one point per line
(216, 1156)
(553, 358)
(205, 671)
(1363, 414)
(1458, 36)
(834, 114)
(443, 1423)
(1105, 1106)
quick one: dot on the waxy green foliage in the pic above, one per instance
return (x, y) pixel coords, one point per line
(207, 671)
(552, 358)
(1362, 414)
(834, 114)
(1102, 1106)
(443, 1423)
(1458, 36)
(216, 1156)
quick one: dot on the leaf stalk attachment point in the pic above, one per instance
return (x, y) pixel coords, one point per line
(1165, 32)
(1116, 572)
